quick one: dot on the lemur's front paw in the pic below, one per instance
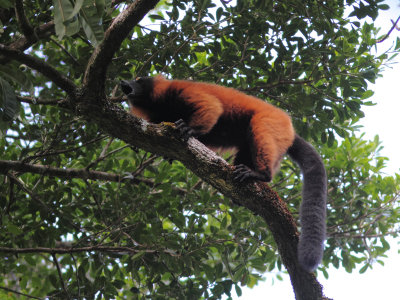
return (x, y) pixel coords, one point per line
(243, 172)
(184, 129)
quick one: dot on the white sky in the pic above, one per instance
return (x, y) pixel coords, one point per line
(381, 282)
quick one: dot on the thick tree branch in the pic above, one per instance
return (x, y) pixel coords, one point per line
(7, 165)
(95, 73)
(18, 166)
(59, 79)
(257, 197)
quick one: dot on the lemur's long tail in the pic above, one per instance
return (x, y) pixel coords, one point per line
(313, 207)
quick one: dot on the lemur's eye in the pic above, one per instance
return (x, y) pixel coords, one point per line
(139, 79)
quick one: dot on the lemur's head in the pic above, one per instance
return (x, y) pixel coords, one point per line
(137, 89)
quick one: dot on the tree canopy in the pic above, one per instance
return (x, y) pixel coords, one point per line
(89, 206)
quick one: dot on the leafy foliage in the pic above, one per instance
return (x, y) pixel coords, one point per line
(150, 229)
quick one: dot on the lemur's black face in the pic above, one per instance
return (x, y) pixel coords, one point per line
(137, 89)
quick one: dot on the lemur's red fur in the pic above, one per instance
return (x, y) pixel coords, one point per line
(271, 128)
(222, 117)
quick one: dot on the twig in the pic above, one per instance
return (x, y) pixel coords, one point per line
(53, 255)
(143, 165)
(19, 293)
(103, 154)
(96, 201)
(34, 197)
(5, 166)
(390, 31)
(58, 152)
(34, 100)
(77, 276)
(66, 52)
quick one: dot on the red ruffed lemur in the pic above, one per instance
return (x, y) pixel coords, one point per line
(222, 117)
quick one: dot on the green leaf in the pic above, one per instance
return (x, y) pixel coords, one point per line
(367, 94)
(8, 101)
(331, 139)
(238, 290)
(397, 47)
(219, 12)
(11, 228)
(65, 21)
(53, 279)
(77, 8)
(29, 258)
(138, 255)
(156, 17)
(239, 273)
(101, 6)
(364, 268)
(92, 23)
(383, 6)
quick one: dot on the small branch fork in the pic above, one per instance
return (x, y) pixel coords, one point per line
(390, 31)
(95, 74)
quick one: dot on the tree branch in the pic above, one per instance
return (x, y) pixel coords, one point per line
(25, 42)
(95, 73)
(18, 166)
(42, 204)
(53, 255)
(59, 79)
(70, 250)
(23, 22)
(40, 32)
(19, 293)
(21, 167)
(34, 100)
(255, 196)
(390, 31)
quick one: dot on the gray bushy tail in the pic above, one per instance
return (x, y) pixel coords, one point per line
(313, 207)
